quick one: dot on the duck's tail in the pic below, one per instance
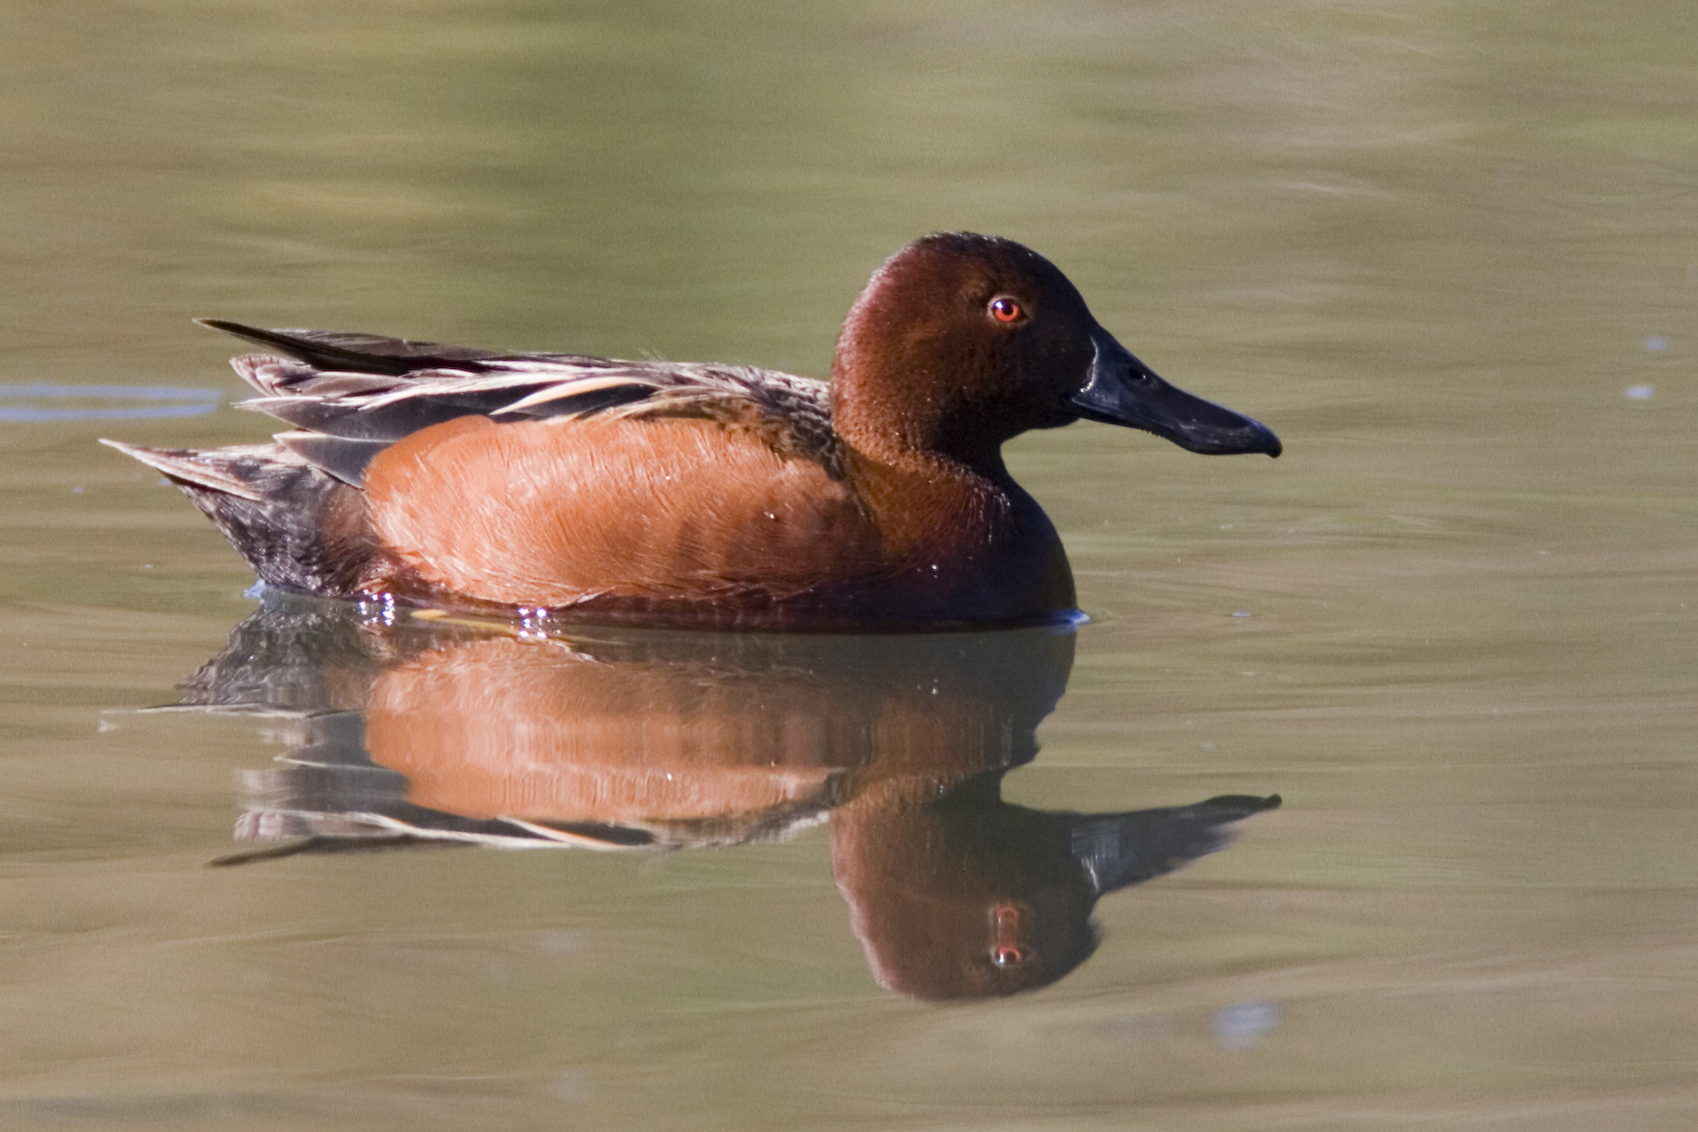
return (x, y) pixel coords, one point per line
(298, 527)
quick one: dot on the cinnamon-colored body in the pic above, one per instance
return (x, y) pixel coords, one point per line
(689, 520)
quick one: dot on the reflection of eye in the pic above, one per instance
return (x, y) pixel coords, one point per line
(1005, 929)
(1005, 309)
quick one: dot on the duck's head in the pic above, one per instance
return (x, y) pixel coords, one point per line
(960, 342)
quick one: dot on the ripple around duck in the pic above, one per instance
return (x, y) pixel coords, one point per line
(30, 403)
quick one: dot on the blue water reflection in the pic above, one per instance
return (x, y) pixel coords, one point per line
(22, 403)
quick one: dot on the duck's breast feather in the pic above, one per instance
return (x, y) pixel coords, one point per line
(556, 512)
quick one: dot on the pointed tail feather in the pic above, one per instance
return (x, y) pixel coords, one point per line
(297, 526)
(208, 470)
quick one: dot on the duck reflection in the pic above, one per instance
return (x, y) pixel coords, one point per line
(412, 729)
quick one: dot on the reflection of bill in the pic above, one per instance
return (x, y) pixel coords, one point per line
(965, 895)
(418, 733)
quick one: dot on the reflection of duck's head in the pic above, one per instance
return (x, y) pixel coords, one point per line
(961, 898)
(969, 897)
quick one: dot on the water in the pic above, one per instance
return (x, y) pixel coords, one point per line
(1437, 250)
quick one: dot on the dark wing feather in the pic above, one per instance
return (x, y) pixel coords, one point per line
(342, 457)
(355, 353)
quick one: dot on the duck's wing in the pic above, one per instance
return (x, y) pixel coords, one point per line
(351, 395)
(353, 352)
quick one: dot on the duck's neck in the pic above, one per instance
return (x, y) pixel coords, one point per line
(928, 464)
(922, 436)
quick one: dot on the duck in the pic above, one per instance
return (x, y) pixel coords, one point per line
(544, 485)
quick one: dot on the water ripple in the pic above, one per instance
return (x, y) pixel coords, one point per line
(23, 402)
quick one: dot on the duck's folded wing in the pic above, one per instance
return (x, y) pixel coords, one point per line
(367, 387)
(368, 408)
(350, 395)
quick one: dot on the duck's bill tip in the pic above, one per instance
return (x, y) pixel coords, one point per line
(1208, 429)
(1251, 438)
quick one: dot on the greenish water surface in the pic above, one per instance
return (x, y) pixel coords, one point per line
(1448, 251)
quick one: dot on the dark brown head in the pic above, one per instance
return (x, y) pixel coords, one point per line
(961, 342)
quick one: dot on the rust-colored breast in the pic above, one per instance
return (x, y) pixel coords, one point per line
(553, 513)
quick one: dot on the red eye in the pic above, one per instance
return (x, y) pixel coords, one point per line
(1005, 309)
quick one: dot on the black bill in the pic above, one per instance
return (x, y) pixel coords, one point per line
(1123, 390)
